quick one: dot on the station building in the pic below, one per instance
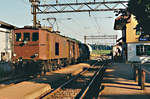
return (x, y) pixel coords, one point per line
(136, 46)
(5, 41)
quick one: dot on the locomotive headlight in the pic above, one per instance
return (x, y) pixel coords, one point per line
(20, 59)
(25, 42)
(14, 54)
(36, 54)
(13, 62)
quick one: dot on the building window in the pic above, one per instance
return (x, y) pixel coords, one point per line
(143, 50)
(26, 36)
(18, 36)
(35, 36)
(56, 48)
(144, 37)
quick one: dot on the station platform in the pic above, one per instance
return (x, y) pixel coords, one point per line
(38, 86)
(24, 90)
(118, 83)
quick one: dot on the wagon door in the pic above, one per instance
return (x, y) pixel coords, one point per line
(73, 48)
(69, 51)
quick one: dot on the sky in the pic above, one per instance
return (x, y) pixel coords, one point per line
(18, 13)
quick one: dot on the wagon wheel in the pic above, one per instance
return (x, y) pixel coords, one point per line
(44, 68)
(49, 67)
(43, 72)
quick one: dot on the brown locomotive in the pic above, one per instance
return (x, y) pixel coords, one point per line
(37, 49)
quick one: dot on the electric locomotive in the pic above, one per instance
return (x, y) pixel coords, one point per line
(41, 50)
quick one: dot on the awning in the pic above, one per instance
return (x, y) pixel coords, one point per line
(120, 22)
(6, 25)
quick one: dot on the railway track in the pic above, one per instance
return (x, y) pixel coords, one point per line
(88, 91)
(15, 79)
(78, 86)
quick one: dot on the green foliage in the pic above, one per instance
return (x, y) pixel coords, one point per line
(141, 9)
(101, 52)
(100, 47)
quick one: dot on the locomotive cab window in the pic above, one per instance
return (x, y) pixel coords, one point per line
(18, 36)
(26, 36)
(56, 48)
(35, 36)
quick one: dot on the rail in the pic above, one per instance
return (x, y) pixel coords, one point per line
(88, 86)
(61, 86)
(139, 75)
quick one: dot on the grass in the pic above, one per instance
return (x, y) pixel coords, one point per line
(101, 52)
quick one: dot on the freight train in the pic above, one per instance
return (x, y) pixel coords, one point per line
(41, 50)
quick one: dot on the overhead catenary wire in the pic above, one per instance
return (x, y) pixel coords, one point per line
(68, 28)
(73, 33)
(25, 2)
(96, 24)
(81, 29)
(77, 23)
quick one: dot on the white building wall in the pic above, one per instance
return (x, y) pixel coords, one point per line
(5, 45)
(131, 50)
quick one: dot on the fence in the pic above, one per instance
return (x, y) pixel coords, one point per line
(5, 69)
(139, 74)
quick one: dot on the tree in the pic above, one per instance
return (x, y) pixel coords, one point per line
(141, 10)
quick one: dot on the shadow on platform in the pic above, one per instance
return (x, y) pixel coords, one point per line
(119, 84)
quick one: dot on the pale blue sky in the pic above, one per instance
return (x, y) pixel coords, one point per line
(18, 12)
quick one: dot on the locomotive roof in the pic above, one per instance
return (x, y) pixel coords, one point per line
(28, 27)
